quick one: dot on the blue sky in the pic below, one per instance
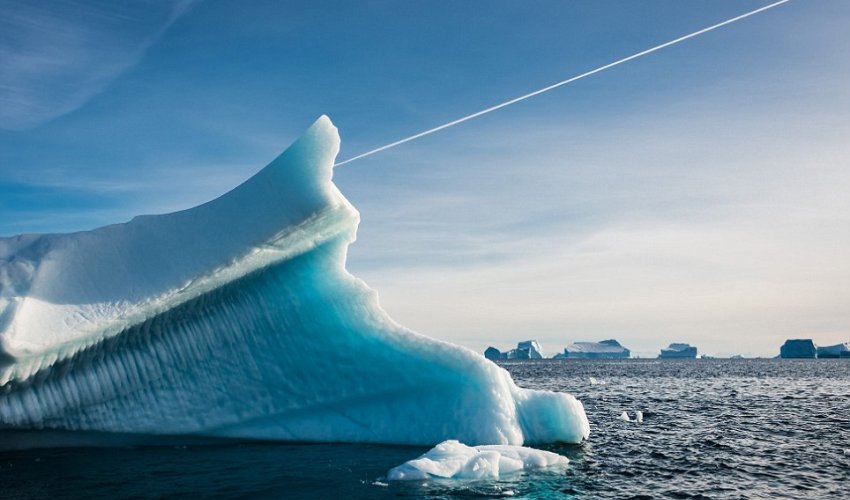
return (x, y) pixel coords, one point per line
(698, 194)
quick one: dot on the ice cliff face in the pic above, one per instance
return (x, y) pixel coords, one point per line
(237, 318)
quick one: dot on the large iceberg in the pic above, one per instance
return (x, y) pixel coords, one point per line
(237, 318)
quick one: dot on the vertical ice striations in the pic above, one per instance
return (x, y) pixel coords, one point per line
(237, 318)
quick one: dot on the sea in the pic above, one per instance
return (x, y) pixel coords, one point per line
(711, 428)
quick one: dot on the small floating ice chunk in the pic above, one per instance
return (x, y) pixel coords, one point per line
(638, 417)
(455, 460)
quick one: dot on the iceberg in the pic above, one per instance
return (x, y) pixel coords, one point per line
(798, 348)
(526, 349)
(454, 460)
(595, 350)
(494, 354)
(841, 350)
(678, 350)
(238, 319)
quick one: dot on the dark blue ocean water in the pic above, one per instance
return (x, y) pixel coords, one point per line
(711, 429)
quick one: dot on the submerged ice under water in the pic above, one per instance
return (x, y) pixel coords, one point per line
(711, 429)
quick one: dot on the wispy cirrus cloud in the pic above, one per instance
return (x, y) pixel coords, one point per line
(58, 55)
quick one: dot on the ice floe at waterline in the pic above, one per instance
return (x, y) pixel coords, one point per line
(454, 460)
(626, 418)
(237, 318)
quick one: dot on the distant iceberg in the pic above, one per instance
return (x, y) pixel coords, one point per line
(678, 350)
(834, 351)
(595, 350)
(454, 460)
(799, 348)
(237, 318)
(494, 354)
(527, 349)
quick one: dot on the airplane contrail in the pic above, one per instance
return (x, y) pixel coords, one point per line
(559, 84)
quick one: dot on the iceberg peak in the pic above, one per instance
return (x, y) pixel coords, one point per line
(62, 292)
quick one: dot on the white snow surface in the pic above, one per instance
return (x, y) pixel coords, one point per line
(454, 460)
(237, 318)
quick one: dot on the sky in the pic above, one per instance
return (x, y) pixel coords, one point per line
(699, 194)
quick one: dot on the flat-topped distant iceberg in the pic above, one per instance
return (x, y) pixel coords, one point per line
(595, 350)
(237, 318)
(678, 350)
(841, 350)
(454, 460)
(799, 348)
